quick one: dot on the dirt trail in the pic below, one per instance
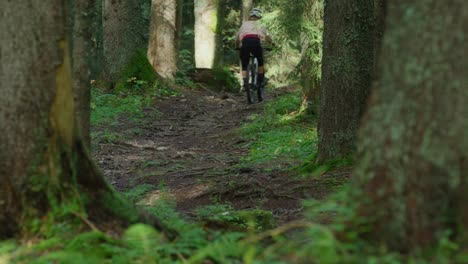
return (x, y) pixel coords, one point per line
(192, 150)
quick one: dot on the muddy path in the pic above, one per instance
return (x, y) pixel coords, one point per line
(192, 150)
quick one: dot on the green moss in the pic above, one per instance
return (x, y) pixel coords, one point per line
(257, 219)
(138, 68)
(120, 206)
(137, 192)
(313, 168)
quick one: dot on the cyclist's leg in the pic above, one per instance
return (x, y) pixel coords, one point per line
(245, 51)
(258, 53)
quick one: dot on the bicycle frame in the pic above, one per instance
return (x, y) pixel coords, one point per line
(253, 90)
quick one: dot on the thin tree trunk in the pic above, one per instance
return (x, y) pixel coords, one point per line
(162, 49)
(347, 68)
(246, 7)
(413, 143)
(207, 39)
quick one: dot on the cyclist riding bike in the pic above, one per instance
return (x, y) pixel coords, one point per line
(249, 39)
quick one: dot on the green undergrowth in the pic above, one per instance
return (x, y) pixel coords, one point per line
(241, 219)
(280, 134)
(106, 107)
(312, 168)
(224, 80)
(304, 241)
(136, 89)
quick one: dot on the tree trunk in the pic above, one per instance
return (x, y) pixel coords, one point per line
(86, 50)
(207, 37)
(126, 31)
(347, 68)
(162, 50)
(44, 166)
(413, 144)
(380, 15)
(246, 7)
(187, 40)
(310, 80)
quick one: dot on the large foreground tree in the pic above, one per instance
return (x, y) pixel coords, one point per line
(347, 67)
(44, 166)
(413, 144)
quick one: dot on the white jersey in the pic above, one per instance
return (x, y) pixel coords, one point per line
(251, 27)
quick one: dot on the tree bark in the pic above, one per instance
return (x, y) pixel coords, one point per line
(207, 37)
(87, 54)
(36, 112)
(163, 46)
(126, 31)
(413, 143)
(380, 15)
(246, 7)
(44, 166)
(347, 68)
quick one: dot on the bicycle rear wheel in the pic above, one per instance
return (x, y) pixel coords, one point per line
(252, 89)
(248, 88)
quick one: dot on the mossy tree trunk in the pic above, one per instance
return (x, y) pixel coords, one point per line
(246, 7)
(208, 43)
(44, 166)
(347, 66)
(85, 20)
(163, 43)
(413, 142)
(126, 32)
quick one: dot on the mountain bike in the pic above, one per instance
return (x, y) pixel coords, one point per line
(254, 90)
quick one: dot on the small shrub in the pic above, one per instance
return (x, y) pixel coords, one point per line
(224, 79)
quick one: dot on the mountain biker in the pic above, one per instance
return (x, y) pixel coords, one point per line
(250, 38)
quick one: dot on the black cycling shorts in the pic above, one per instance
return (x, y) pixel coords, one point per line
(251, 46)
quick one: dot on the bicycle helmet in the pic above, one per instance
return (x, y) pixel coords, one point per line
(255, 12)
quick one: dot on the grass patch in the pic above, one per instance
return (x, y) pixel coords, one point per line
(311, 168)
(280, 133)
(138, 192)
(224, 213)
(107, 107)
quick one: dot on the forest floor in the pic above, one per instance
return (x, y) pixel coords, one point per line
(193, 150)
